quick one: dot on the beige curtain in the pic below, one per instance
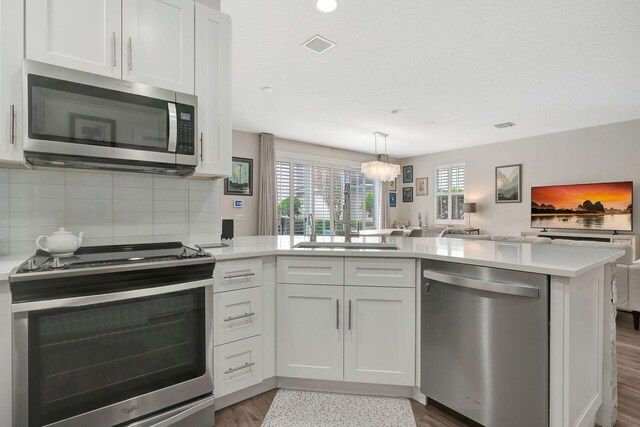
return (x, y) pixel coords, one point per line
(383, 207)
(267, 215)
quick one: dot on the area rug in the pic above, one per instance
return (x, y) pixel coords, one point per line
(297, 408)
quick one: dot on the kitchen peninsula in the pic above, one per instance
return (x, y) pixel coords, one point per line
(305, 294)
(350, 319)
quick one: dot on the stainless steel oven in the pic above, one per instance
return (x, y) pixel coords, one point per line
(129, 344)
(79, 119)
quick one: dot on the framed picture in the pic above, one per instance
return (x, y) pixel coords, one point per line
(392, 184)
(392, 200)
(407, 194)
(240, 182)
(407, 174)
(92, 128)
(509, 184)
(422, 188)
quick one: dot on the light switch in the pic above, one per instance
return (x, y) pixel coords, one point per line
(239, 217)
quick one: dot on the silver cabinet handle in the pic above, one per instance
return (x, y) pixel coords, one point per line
(349, 314)
(242, 316)
(236, 276)
(201, 146)
(173, 127)
(483, 285)
(130, 54)
(113, 49)
(12, 124)
(246, 365)
(337, 314)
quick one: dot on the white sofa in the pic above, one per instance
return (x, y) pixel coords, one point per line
(627, 279)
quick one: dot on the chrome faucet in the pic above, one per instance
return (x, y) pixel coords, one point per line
(312, 236)
(347, 213)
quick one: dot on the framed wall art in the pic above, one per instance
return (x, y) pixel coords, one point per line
(509, 184)
(407, 194)
(240, 183)
(422, 186)
(407, 174)
(392, 200)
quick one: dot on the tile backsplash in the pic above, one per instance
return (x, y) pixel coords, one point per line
(110, 207)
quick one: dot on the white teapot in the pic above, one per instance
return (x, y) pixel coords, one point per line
(61, 243)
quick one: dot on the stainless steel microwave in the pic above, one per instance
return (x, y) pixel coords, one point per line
(82, 120)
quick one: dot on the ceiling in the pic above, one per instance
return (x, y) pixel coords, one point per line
(455, 68)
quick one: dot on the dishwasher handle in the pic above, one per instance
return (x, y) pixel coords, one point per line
(483, 285)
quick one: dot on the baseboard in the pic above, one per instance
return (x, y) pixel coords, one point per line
(246, 393)
(346, 387)
(419, 397)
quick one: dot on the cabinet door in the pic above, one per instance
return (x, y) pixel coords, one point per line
(157, 41)
(79, 34)
(379, 335)
(310, 333)
(11, 27)
(213, 88)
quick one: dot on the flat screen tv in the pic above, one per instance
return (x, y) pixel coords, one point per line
(606, 206)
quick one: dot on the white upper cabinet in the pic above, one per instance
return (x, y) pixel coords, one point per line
(158, 43)
(213, 89)
(79, 34)
(11, 46)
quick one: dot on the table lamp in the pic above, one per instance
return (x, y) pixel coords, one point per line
(469, 208)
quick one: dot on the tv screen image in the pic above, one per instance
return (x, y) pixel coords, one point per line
(606, 206)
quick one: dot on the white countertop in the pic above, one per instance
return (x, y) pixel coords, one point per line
(557, 260)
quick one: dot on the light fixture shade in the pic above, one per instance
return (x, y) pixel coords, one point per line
(381, 171)
(326, 6)
(469, 208)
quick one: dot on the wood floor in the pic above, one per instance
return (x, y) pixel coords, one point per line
(251, 412)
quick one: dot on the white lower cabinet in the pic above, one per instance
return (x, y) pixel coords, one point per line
(310, 331)
(379, 342)
(237, 315)
(351, 333)
(237, 365)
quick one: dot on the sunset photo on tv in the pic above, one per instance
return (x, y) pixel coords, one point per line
(606, 206)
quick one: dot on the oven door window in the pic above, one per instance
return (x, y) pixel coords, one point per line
(82, 359)
(76, 113)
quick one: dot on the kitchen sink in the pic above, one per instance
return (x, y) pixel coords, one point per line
(346, 245)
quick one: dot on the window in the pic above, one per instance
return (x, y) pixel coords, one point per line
(305, 190)
(450, 186)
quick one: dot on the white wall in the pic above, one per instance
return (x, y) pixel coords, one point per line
(597, 154)
(245, 145)
(110, 207)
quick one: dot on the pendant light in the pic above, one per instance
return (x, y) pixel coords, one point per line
(381, 169)
(326, 6)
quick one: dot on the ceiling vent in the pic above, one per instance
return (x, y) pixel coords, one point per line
(504, 125)
(318, 44)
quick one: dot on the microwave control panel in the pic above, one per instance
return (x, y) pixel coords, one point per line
(186, 142)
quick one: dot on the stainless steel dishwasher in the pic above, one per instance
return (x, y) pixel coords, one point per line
(485, 343)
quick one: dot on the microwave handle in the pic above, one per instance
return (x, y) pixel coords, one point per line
(173, 127)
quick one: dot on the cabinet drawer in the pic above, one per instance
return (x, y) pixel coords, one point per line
(240, 274)
(389, 272)
(237, 315)
(237, 365)
(311, 270)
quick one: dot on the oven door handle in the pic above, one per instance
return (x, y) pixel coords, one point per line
(104, 298)
(173, 127)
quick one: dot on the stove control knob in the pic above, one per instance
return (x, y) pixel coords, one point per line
(184, 254)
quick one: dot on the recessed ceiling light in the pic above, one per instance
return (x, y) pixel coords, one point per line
(267, 89)
(396, 111)
(504, 125)
(326, 6)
